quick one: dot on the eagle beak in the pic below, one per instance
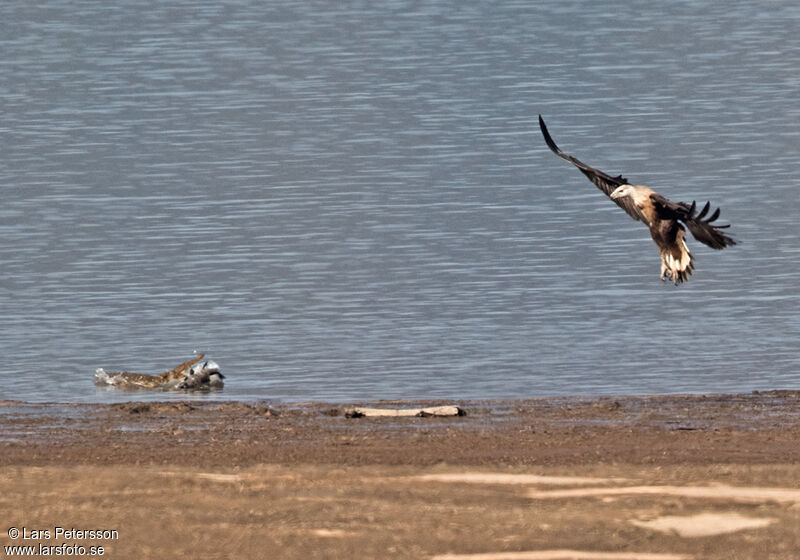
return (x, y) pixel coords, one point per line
(616, 194)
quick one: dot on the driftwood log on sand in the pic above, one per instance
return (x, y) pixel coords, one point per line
(450, 410)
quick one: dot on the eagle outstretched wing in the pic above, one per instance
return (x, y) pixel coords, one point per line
(602, 181)
(701, 226)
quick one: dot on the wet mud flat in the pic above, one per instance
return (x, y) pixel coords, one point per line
(681, 476)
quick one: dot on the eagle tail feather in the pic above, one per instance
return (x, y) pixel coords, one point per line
(677, 264)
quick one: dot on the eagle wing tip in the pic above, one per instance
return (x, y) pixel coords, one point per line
(549, 139)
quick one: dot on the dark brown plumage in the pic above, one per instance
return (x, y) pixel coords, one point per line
(662, 216)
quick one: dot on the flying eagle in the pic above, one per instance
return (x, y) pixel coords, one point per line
(661, 215)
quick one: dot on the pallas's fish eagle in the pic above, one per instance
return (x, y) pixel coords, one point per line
(661, 215)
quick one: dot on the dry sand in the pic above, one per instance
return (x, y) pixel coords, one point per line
(628, 478)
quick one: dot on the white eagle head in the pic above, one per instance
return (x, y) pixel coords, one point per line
(623, 191)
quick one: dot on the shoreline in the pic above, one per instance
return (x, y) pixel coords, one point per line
(218, 396)
(755, 428)
(689, 477)
(207, 397)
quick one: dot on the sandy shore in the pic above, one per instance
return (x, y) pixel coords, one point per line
(650, 478)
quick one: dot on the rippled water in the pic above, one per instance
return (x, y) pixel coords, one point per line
(353, 201)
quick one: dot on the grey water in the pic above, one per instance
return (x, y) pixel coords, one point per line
(352, 200)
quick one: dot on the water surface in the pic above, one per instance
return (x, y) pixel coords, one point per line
(341, 201)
